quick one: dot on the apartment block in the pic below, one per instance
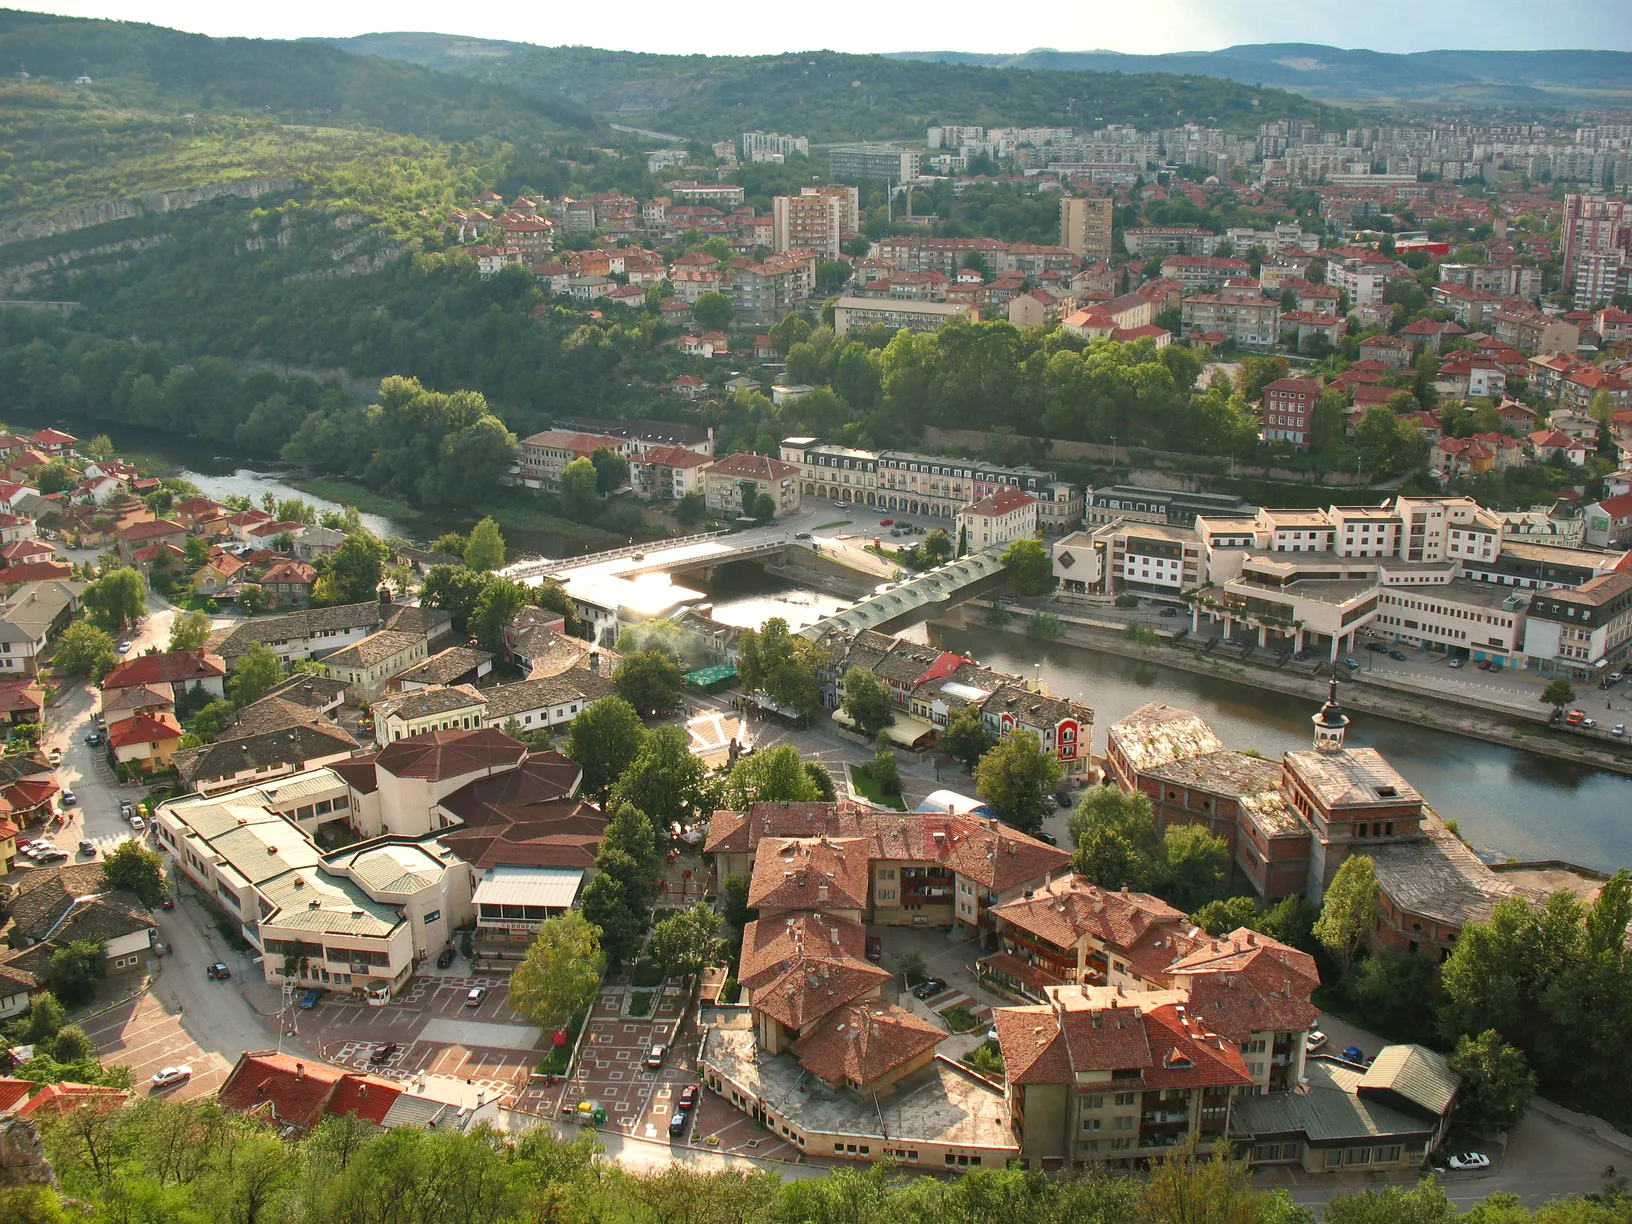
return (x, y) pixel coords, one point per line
(1085, 226)
(1248, 322)
(873, 162)
(808, 223)
(851, 313)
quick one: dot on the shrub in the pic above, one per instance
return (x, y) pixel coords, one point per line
(959, 1019)
(640, 1003)
(1125, 600)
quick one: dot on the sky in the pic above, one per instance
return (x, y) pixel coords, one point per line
(1147, 27)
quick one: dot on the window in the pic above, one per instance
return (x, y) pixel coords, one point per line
(1124, 1098)
(1089, 1125)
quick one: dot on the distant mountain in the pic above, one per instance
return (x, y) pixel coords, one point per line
(832, 97)
(1478, 78)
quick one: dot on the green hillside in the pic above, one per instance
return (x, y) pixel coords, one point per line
(834, 97)
(164, 110)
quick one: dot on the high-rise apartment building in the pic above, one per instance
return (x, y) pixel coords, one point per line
(1085, 226)
(862, 162)
(808, 222)
(768, 146)
(1597, 242)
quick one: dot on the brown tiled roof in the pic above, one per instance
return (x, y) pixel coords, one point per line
(296, 1089)
(310, 740)
(862, 1041)
(1068, 908)
(436, 755)
(770, 946)
(810, 873)
(1099, 1037)
(176, 667)
(991, 853)
(739, 832)
(1033, 1047)
(816, 986)
(525, 817)
(1248, 983)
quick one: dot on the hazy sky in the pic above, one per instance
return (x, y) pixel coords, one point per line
(951, 25)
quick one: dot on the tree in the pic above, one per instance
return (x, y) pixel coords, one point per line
(561, 972)
(454, 589)
(1117, 845)
(55, 477)
(769, 776)
(1395, 992)
(611, 470)
(822, 780)
(258, 670)
(579, 488)
(72, 1044)
(1424, 1203)
(1221, 917)
(496, 607)
(966, 737)
(84, 650)
(883, 770)
(45, 1018)
(134, 868)
(1185, 1187)
(712, 311)
(866, 702)
(1018, 778)
(189, 631)
(683, 944)
(352, 573)
(1558, 693)
(1196, 868)
(648, 680)
(75, 968)
(734, 900)
(1349, 909)
(1030, 569)
(100, 448)
(688, 511)
(665, 780)
(620, 918)
(604, 739)
(116, 599)
(253, 598)
(484, 549)
(914, 969)
(937, 546)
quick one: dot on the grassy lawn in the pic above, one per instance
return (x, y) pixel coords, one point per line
(833, 524)
(863, 782)
(640, 1003)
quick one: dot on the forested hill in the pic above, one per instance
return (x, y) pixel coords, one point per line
(833, 97)
(305, 82)
(1490, 78)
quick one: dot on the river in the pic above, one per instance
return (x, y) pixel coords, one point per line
(1506, 802)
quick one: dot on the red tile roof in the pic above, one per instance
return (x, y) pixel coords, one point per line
(145, 729)
(176, 667)
(297, 1089)
(60, 1098)
(995, 505)
(862, 1041)
(746, 465)
(34, 571)
(436, 755)
(152, 530)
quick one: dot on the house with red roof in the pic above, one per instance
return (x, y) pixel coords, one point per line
(11, 493)
(158, 531)
(1433, 334)
(67, 1097)
(1367, 394)
(54, 442)
(1390, 351)
(146, 742)
(36, 570)
(195, 510)
(667, 472)
(1548, 445)
(1579, 387)
(23, 467)
(996, 519)
(185, 669)
(288, 1090)
(240, 523)
(160, 556)
(97, 490)
(1608, 522)
(688, 386)
(725, 480)
(289, 583)
(217, 574)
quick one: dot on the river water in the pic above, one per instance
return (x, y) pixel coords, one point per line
(1509, 804)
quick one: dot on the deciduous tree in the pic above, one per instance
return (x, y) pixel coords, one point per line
(866, 702)
(116, 599)
(1497, 1083)
(1030, 569)
(769, 775)
(604, 739)
(1349, 910)
(649, 681)
(84, 650)
(683, 944)
(134, 868)
(665, 780)
(1018, 778)
(1117, 845)
(258, 669)
(484, 549)
(561, 972)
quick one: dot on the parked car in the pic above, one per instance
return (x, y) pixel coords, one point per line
(1616, 677)
(1469, 1160)
(885, 522)
(1354, 1054)
(1047, 838)
(841, 505)
(218, 971)
(1314, 1041)
(1453, 663)
(1587, 724)
(169, 903)
(1350, 662)
(1485, 665)
(1168, 612)
(1618, 729)
(94, 740)
(171, 1076)
(383, 1053)
(124, 646)
(654, 1057)
(52, 855)
(677, 1124)
(1397, 656)
(1575, 717)
(1379, 647)
(475, 995)
(875, 949)
(126, 808)
(309, 997)
(69, 799)
(929, 988)
(137, 823)
(688, 1097)
(444, 958)
(56, 756)
(89, 847)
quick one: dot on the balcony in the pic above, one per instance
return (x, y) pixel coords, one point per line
(1165, 1118)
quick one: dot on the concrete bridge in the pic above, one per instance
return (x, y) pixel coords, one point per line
(919, 597)
(696, 554)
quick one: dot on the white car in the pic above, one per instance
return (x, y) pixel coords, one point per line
(1469, 1160)
(171, 1076)
(137, 823)
(1314, 1041)
(474, 997)
(123, 647)
(56, 756)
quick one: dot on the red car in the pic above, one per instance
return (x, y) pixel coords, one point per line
(885, 522)
(168, 903)
(688, 1096)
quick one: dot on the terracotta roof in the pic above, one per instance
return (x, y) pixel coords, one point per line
(739, 832)
(60, 1098)
(438, 755)
(862, 1041)
(815, 986)
(1067, 909)
(810, 873)
(525, 817)
(13, 1092)
(1005, 501)
(367, 1096)
(1246, 983)
(181, 667)
(297, 1089)
(292, 573)
(749, 466)
(1033, 1047)
(144, 729)
(770, 946)
(153, 530)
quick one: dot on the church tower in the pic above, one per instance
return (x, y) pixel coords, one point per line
(1330, 723)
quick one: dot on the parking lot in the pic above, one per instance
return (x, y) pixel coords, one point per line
(146, 1035)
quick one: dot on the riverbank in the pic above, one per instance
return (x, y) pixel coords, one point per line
(1442, 712)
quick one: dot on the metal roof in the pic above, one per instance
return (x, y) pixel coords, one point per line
(549, 886)
(1329, 1110)
(1419, 1075)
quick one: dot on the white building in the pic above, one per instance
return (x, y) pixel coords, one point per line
(995, 520)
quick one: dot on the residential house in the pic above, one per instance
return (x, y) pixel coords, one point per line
(30, 617)
(286, 732)
(996, 520)
(217, 574)
(1548, 445)
(724, 482)
(545, 701)
(307, 634)
(145, 743)
(1289, 409)
(185, 669)
(50, 907)
(1391, 351)
(1248, 322)
(432, 708)
(54, 442)
(158, 531)
(667, 473)
(22, 701)
(365, 665)
(451, 665)
(1609, 522)
(544, 456)
(314, 542)
(289, 583)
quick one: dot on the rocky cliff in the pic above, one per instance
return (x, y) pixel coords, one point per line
(71, 219)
